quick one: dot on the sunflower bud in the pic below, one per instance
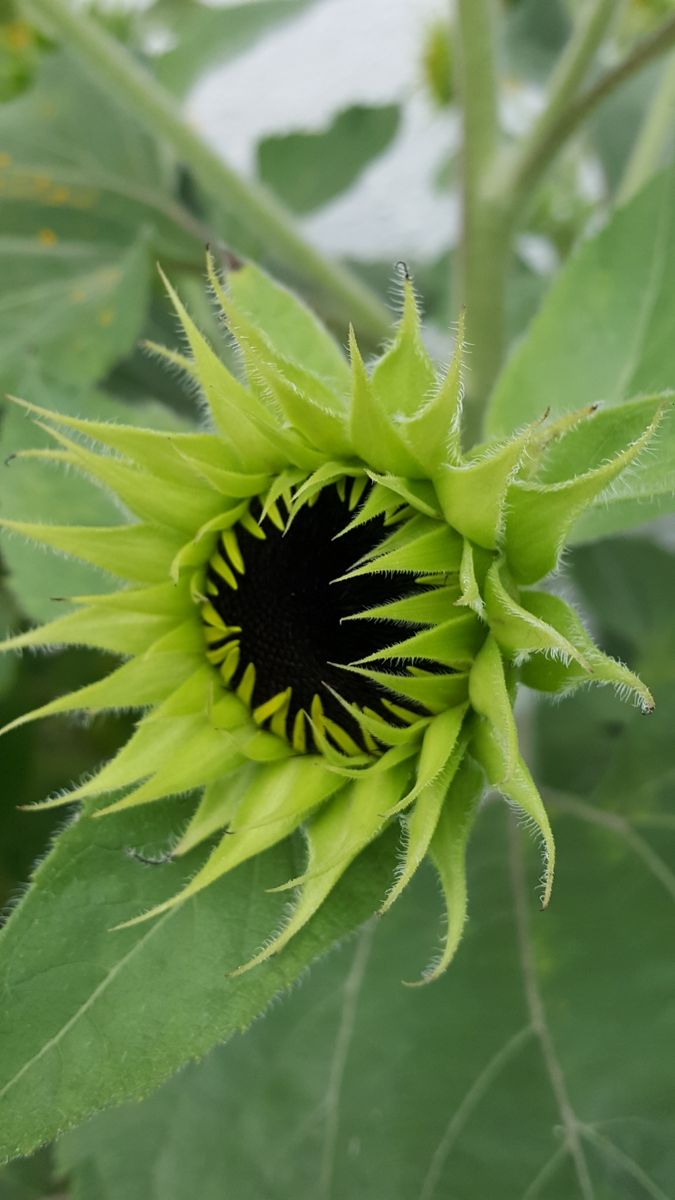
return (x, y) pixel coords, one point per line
(326, 606)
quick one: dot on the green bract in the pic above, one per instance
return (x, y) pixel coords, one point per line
(327, 605)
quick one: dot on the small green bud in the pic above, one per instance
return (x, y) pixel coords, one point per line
(438, 63)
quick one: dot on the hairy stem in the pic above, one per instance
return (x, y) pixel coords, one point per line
(483, 255)
(656, 133)
(132, 86)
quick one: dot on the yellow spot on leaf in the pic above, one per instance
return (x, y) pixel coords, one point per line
(59, 195)
(18, 35)
(105, 317)
(78, 295)
(47, 237)
(41, 183)
(5, 159)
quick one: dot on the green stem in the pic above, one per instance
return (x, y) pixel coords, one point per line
(133, 86)
(530, 168)
(657, 131)
(483, 255)
(568, 76)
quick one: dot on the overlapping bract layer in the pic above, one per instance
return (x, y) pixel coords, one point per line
(471, 532)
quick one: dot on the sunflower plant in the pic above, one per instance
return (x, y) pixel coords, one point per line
(328, 604)
(344, 585)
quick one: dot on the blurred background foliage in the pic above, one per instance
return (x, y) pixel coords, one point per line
(353, 1086)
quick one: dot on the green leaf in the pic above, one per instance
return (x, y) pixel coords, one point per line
(604, 334)
(539, 1061)
(31, 490)
(82, 319)
(84, 197)
(103, 1030)
(306, 170)
(650, 484)
(207, 36)
(357, 1086)
(534, 37)
(29, 1179)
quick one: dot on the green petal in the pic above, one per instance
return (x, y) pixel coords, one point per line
(452, 643)
(147, 497)
(448, 854)
(141, 553)
(278, 799)
(97, 626)
(418, 493)
(245, 425)
(435, 692)
(470, 596)
(426, 609)
(235, 485)
(438, 746)
(175, 721)
(198, 755)
(519, 789)
(490, 698)
(154, 451)
(292, 327)
(428, 551)
(404, 377)
(550, 675)
(217, 807)
(300, 402)
(140, 682)
(420, 825)
(372, 433)
(379, 502)
(340, 831)
(518, 630)
(539, 517)
(473, 495)
(433, 433)
(159, 599)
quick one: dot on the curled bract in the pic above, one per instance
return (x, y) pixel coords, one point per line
(324, 605)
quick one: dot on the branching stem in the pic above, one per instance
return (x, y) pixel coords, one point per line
(568, 77)
(538, 154)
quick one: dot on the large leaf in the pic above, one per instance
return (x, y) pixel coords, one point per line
(308, 169)
(603, 335)
(206, 36)
(28, 1179)
(44, 757)
(84, 197)
(99, 1016)
(539, 1067)
(32, 490)
(82, 311)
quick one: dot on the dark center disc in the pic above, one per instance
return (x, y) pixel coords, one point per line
(291, 605)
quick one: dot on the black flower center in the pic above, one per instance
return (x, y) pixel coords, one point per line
(282, 636)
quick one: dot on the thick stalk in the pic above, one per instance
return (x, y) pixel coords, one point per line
(483, 254)
(656, 133)
(132, 86)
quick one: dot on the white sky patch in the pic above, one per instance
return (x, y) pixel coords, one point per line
(299, 76)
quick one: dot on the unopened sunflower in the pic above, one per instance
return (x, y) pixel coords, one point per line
(325, 605)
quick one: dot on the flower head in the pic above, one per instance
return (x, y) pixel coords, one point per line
(325, 606)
